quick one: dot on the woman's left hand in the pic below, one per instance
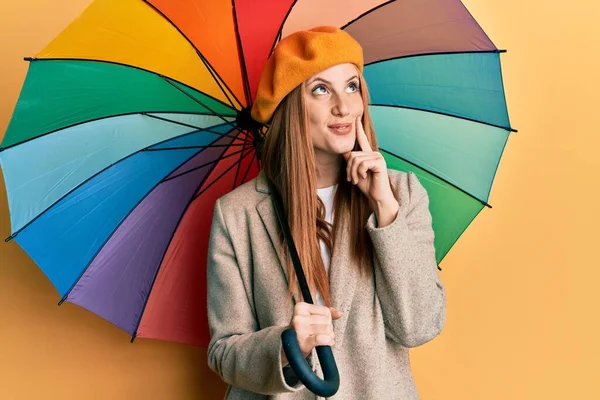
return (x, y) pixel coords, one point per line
(368, 170)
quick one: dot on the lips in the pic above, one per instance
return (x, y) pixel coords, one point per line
(339, 126)
(340, 129)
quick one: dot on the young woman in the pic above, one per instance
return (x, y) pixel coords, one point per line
(363, 234)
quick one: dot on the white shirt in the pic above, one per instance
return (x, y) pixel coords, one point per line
(326, 194)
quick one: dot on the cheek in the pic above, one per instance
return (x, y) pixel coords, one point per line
(313, 110)
(316, 121)
(357, 107)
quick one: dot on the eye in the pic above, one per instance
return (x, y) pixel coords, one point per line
(353, 86)
(319, 87)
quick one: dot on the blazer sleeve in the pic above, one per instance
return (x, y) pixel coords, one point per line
(238, 352)
(412, 297)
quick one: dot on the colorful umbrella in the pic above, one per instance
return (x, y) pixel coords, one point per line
(134, 120)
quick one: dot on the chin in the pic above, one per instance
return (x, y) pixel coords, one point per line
(344, 151)
(348, 147)
(337, 147)
(343, 145)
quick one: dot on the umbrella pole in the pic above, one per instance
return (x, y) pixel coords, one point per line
(322, 387)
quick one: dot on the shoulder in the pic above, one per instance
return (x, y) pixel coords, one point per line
(236, 209)
(242, 197)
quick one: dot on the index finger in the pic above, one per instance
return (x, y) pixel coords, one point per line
(361, 136)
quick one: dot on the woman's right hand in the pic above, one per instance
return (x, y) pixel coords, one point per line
(313, 326)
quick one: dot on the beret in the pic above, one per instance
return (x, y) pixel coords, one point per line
(296, 58)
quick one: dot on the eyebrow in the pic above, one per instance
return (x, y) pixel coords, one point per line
(329, 83)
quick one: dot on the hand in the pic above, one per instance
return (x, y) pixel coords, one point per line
(313, 326)
(368, 170)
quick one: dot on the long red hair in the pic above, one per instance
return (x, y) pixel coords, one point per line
(288, 160)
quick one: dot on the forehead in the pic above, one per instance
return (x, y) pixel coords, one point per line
(339, 72)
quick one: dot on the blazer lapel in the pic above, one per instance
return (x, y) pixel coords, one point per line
(343, 273)
(266, 210)
(343, 276)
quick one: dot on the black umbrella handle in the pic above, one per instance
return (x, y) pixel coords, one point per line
(328, 386)
(322, 387)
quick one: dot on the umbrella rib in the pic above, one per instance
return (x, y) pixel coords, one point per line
(203, 165)
(98, 119)
(258, 163)
(116, 228)
(190, 125)
(438, 53)
(202, 58)
(366, 13)
(206, 63)
(196, 147)
(280, 31)
(223, 173)
(217, 79)
(248, 169)
(168, 80)
(167, 248)
(241, 52)
(198, 52)
(238, 168)
(447, 115)
(485, 203)
(13, 235)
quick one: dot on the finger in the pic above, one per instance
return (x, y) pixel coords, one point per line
(320, 320)
(318, 329)
(302, 308)
(348, 166)
(305, 330)
(299, 322)
(322, 339)
(366, 165)
(360, 163)
(355, 165)
(359, 167)
(347, 155)
(314, 309)
(361, 136)
(350, 162)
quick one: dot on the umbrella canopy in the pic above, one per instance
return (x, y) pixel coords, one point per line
(134, 120)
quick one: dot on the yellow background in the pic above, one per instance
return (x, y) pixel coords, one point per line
(522, 282)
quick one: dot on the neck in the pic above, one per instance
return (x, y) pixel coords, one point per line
(328, 169)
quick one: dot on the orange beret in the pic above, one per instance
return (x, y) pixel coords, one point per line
(296, 58)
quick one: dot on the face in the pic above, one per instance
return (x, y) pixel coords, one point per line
(333, 101)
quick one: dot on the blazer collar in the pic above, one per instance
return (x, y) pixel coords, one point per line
(261, 182)
(343, 273)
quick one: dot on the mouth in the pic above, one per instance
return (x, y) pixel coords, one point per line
(340, 129)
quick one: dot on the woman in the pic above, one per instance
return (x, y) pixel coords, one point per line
(377, 295)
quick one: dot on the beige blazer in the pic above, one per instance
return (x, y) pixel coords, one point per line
(401, 305)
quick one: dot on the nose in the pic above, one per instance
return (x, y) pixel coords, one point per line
(340, 108)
